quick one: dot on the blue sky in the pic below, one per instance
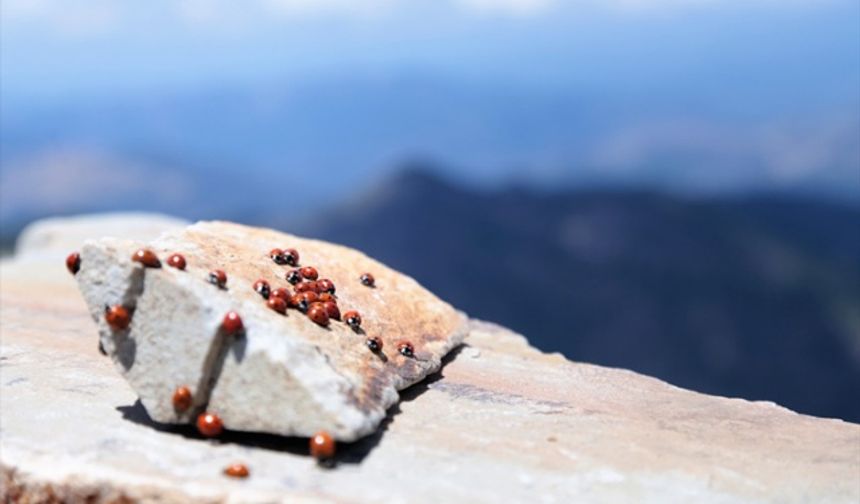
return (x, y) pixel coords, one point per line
(53, 48)
(689, 95)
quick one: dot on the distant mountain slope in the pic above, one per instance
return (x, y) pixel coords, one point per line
(756, 297)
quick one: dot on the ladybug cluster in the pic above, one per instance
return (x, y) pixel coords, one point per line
(311, 295)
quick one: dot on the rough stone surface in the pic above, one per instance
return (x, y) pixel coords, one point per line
(59, 235)
(502, 422)
(285, 374)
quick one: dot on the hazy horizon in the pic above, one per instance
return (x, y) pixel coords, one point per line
(692, 97)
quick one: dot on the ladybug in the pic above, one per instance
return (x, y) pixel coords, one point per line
(305, 300)
(277, 255)
(218, 278)
(305, 287)
(278, 304)
(406, 349)
(73, 263)
(294, 276)
(182, 398)
(177, 261)
(117, 317)
(318, 313)
(368, 280)
(262, 288)
(309, 272)
(331, 309)
(147, 258)
(295, 300)
(237, 471)
(322, 446)
(326, 285)
(209, 424)
(232, 323)
(291, 256)
(325, 297)
(282, 293)
(352, 318)
(374, 344)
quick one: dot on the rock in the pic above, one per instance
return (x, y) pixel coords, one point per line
(55, 237)
(284, 374)
(501, 422)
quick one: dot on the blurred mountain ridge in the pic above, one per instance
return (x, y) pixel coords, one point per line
(349, 129)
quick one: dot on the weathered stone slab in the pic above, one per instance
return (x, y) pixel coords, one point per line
(285, 374)
(502, 422)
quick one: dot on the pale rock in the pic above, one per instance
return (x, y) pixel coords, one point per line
(56, 236)
(285, 375)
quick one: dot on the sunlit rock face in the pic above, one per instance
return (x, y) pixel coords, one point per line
(283, 373)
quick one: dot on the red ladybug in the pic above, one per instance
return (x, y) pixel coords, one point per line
(318, 313)
(218, 278)
(352, 318)
(322, 446)
(277, 255)
(117, 317)
(262, 288)
(73, 263)
(282, 293)
(294, 276)
(232, 323)
(182, 398)
(305, 300)
(406, 349)
(147, 258)
(305, 287)
(278, 304)
(374, 344)
(237, 471)
(295, 300)
(291, 256)
(368, 280)
(331, 309)
(177, 261)
(209, 424)
(309, 272)
(326, 285)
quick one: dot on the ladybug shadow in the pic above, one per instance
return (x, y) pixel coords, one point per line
(347, 453)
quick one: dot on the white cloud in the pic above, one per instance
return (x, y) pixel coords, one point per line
(781, 153)
(42, 182)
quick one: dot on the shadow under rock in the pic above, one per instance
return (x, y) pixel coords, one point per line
(354, 453)
(347, 453)
(297, 446)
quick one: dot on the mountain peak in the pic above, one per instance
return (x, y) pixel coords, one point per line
(419, 175)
